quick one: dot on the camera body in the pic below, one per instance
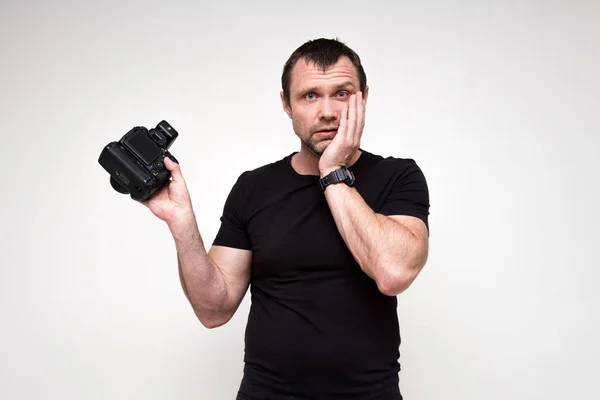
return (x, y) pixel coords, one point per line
(136, 162)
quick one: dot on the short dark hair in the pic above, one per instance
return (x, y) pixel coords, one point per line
(323, 53)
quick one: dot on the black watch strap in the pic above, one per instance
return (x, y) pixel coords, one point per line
(341, 174)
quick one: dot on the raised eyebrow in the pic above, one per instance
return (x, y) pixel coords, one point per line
(344, 85)
(307, 90)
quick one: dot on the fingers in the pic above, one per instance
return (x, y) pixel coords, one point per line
(351, 118)
(342, 129)
(360, 115)
(355, 119)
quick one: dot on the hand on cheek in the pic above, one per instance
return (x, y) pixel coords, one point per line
(347, 140)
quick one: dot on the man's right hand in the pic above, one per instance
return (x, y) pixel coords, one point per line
(172, 202)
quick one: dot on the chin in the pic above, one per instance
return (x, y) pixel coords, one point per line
(316, 148)
(320, 148)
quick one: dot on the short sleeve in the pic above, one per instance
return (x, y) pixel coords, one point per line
(409, 194)
(232, 232)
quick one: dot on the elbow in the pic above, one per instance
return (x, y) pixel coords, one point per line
(396, 280)
(212, 323)
(213, 320)
(392, 287)
(395, 277)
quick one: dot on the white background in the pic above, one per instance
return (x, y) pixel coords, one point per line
(498, 102)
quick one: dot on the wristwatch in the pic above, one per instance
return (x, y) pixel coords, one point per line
(342, 174)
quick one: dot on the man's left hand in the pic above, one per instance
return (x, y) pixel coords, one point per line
(347, 139)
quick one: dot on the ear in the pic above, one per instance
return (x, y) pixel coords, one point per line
(366, 94)
(286, 107)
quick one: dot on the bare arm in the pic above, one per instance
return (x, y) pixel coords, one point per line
(214, 282)
(392, 250)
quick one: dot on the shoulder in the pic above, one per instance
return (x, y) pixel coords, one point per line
(394, 165)
(264, 173)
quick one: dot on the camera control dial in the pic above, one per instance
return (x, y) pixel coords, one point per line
(158, 165)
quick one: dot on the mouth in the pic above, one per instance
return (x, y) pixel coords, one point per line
(326, 132)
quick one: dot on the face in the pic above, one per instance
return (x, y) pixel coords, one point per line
(316, 101)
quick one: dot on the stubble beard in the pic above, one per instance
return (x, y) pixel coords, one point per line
(318, 148)
(307, 139)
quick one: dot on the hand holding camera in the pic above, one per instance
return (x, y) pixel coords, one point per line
(172, 202)
(140, 165)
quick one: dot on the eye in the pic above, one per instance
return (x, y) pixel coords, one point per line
(310, 96)
(343, 94)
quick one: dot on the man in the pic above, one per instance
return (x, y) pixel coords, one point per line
(325, 237)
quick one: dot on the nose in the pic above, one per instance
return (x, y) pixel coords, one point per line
(327, 110)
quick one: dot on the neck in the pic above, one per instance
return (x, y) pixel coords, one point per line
(306, 162)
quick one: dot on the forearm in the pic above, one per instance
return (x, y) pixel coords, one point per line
(386, 250)
(201, 280)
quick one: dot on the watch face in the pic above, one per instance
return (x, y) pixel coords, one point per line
(339, 175)
(350, 179)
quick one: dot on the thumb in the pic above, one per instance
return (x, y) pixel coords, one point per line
(175, 170)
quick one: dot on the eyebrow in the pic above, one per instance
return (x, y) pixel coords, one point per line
(337, 87)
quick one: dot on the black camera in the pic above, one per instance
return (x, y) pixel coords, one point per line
(136, 162)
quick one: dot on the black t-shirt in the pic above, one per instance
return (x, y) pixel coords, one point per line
(318, 326)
